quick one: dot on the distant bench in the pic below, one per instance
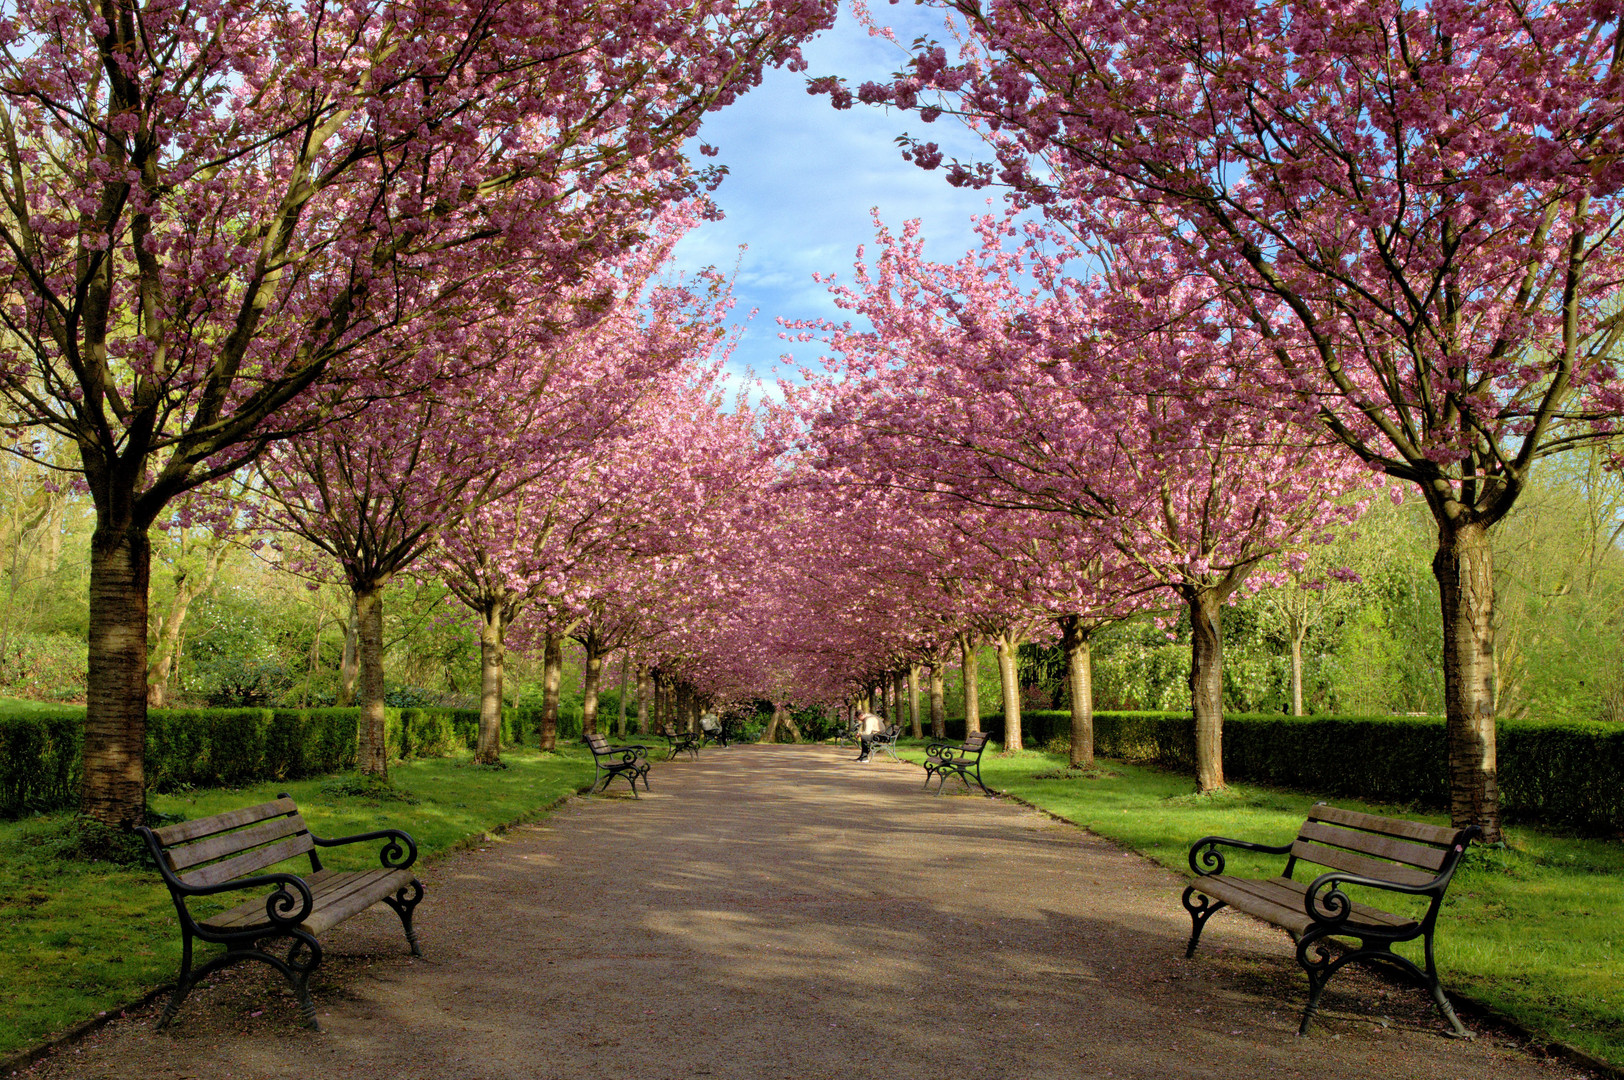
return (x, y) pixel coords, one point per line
(678, 742)
(630, 762)
(1360, 850)
(961, 759)
(226, 852)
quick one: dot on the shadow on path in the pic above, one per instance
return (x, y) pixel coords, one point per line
(772, 912)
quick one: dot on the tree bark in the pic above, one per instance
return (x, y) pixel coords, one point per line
(770, 736)
(913, 701)
(1464, 567)
(620, 721)
(645, 694)
(492, 663)
(938, 703)
(788, 720)
(1008, 646)
(1075, 633)
(899, 691)
(113, 782)
(372, 753)
(350, 666)
(1297, 634)
(188, 587)
(1207, 685)
(552, 675)
(591, 676)
(970, 664)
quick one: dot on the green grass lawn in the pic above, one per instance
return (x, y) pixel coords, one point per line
(1532, 930)
(24, 707)
(79, 937)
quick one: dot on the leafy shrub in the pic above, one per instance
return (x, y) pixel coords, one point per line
(1562, 774)
(45, 667)
(39, 761)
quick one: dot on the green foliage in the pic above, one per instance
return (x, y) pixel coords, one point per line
(39, 760)
(78, 937)
(45, 667)
(1561, 775)
(199, 748)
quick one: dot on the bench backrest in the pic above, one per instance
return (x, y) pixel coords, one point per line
(598, 743)
(977, 741)
(1387, 849)
(235, 844)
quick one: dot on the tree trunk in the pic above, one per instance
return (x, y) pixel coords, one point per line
(970, 664)
(645, 693)
(1074, 641)
(1207, 685)
(788, 720)
(620, 721)
(591, 675)
(1297, 634)
(913, 701)
(188, 587)
(492, 660)
(350, 666)
(1008, 645)
(113, 785)
(552, 674)
(770, 736)
(899, 691)
(373, 749)
(938, 703)
(1464, 567)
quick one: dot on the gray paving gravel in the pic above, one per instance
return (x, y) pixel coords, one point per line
(782, 912)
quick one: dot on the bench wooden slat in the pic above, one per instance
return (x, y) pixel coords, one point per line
(220, 845)
(248, 862)
(337, 894)
(1337, 859)
(1406, 830)
(1382, 847)
(1280, 901)
(185, 831)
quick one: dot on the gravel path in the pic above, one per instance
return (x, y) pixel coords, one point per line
(774, 912)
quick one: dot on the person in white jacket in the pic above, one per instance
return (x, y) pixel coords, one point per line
(868, 726)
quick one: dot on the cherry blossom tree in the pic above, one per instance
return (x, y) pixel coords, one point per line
(1414, 205)
(1049, 398)
(211, 206)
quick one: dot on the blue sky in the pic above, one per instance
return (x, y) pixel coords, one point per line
(804, 176)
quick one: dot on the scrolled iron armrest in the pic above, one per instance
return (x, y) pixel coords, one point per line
(1207, 861)
(278, 904)
(1334, 907)
(944, 751)
(391, 855)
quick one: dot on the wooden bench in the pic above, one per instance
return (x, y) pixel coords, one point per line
(630, 762)
(959, 759)
(228, 852)
(1361, 851)
(678, 742)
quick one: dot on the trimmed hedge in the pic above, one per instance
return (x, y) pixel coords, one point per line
(40, 753)
(1568, 775)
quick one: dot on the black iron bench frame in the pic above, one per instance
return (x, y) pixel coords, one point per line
(959, 759)
(1363, 851)
(886, 739)
(678, 742)
(629, 761)
(225, 852)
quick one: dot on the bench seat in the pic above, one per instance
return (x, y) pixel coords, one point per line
(338, 894)
(1279, 900)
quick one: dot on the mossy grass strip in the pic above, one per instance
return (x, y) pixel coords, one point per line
(78, 938)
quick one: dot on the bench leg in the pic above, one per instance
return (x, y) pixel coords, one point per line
(405, 899)
(183, 983)
(1200, 906)
(1440, 998)
(298, 976)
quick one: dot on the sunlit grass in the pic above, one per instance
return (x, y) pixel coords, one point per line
(1532, 930)
(77, 937)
